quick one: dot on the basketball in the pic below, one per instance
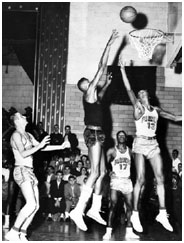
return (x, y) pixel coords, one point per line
(128, 14)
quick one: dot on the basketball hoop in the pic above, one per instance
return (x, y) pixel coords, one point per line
(145, 41)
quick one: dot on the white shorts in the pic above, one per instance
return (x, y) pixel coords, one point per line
(123, 185)
(146, 147)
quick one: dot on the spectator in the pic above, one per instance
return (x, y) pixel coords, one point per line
(66, 173)
(49, 177)
(180, 170)
(88, 166)
(175, 160)
(72, 163)
(84, 159)
(56, 138)
(72, 138)
(84, 174)
(60, 164)
(77, 170)
(40, 132)
(72, 193)
(54, 162)
(57, 199)
(176, 199)
(77, 153)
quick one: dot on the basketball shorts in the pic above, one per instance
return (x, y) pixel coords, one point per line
(123, 185)
(92, 136)
(149, 148)
(22, 174)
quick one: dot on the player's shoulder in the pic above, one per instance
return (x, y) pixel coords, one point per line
(16, 134)
(158, 109)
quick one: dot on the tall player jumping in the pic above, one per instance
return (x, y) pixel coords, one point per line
(145, 145)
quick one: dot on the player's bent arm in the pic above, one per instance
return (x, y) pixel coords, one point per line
(64, 145)
(103, 61)
(168, 115)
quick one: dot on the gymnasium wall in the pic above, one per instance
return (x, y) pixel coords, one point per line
(90, 27)
(17, 88)
(170, 99)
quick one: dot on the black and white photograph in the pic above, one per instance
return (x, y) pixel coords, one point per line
(91, 121)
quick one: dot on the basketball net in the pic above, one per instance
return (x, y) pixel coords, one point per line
(145, 41)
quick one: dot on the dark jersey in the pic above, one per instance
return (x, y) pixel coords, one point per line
(93, 113)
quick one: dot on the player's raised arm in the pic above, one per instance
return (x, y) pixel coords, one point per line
(138, 109)
(126, 82)
(103, 61)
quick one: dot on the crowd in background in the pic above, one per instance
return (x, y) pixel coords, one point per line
(61, 174)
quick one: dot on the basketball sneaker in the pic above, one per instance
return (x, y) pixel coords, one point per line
(96, 216)
(12, 235)
(23, 237)
(162, 218)
(78, 219)
(136, 221)
(108, 234)
(130, 234)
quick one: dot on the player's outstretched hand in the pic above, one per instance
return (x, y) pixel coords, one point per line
(45, 141)
(66, 144)
(113, 37)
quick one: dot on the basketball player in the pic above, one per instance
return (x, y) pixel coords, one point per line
(24, 146)
(94, 138)
(120, 159)
(145, 145)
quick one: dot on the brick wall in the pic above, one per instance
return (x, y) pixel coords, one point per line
(170, 99)
(17, 88)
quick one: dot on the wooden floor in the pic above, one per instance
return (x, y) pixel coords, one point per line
(42, 230)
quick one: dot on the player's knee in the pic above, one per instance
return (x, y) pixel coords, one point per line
(32, 205)
(95, 173)
(160, 179)
(140, 180)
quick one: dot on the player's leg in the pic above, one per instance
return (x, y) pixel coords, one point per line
(94, 211)
(94, 153)
(23, 229)
(27, 211)
(157, 166)
(129, 231)
(140, 178)
(111, 215)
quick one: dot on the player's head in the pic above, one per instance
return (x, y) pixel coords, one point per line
(18, 119)
(121, 136)
(143, 95)
(83, 84)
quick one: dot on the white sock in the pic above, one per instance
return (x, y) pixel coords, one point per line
(109, 230)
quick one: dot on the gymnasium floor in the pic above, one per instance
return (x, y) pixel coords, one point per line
(42, 230)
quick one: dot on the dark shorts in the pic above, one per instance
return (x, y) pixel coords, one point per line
(91, 136)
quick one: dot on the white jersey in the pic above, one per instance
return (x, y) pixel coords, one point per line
(19, 160)
(147, 124)
(121, 164)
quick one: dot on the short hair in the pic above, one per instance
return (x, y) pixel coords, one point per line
(50, 166)
(80, 82)
(13, 118)
(175, 151)
(59, 171)
(68, 126)
(122, 131)
(138, 94)
(71, 177)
